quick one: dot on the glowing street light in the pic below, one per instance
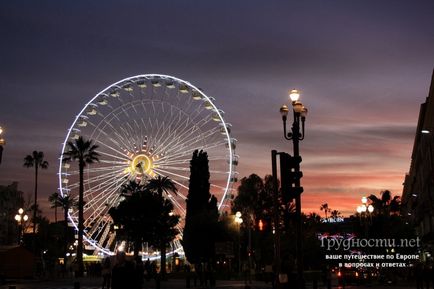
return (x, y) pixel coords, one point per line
(21, 218)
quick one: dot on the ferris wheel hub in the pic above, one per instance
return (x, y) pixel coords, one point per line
(141, 164)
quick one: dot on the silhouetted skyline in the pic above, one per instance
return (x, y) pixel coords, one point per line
(364, 68)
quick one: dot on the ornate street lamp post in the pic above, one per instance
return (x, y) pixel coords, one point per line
(21, 218)
(365, 212)
(238, 220)
(2, 143)
(296, 135)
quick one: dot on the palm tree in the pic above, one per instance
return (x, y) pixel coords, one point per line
(65, 202)
(161, 184)
(395, 205)
(35, 160)
(54, 204)
(314, 218)
(84, 152)
(325, 207)
(386, 204)
(335, 214)
(132, 187)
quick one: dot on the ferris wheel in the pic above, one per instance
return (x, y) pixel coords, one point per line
(144, 126)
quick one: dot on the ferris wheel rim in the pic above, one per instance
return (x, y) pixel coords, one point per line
(227, 137)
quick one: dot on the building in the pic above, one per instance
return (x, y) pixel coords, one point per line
(10, 201)
(418, 192)
(17, 262)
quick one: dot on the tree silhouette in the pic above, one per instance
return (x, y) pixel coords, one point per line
(136, 214)
(247, 200)
(325, 207)
(385, 205)
(145, 216)
(35, 160)
(164, 230)
(395, 205)
(54, 203)
(132, 187)
(159, 185)
(84, 152)
(201, 219)
(335, 214)
(313, 218)
(255, 202)
(65, 202)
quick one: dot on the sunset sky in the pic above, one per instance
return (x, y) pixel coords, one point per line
(363, 67)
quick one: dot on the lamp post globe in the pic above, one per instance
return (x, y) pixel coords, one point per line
(294, 95)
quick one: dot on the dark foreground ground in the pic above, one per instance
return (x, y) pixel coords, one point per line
(95, 283)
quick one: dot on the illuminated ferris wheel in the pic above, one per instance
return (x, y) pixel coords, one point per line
(146, 125)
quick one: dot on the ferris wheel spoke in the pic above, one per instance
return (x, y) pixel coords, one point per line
(120, 139)
(174, 137)
(120, 154)
(99, 179)
(99, 202)
(184, 169)
(98, 193)
(171, 140)
(175, 144)
(98, 231)
(179, 206)
(182, 150)
(215, 145)
(119, 133)
(200, 138)
(98, 169)
(123, 158)
(171, 173)
(113, 163)
(144, 124)
(170, 161)
(172, 127)
(104, 144)
(181, 156)
(127, 137)
(125, 112)
(117, 142)
(217, 186)
(107, 182)
(186, 139)
(108, 195)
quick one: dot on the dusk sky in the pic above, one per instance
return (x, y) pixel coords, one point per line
(363, 67)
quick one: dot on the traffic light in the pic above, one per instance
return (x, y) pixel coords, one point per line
(290, 175)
